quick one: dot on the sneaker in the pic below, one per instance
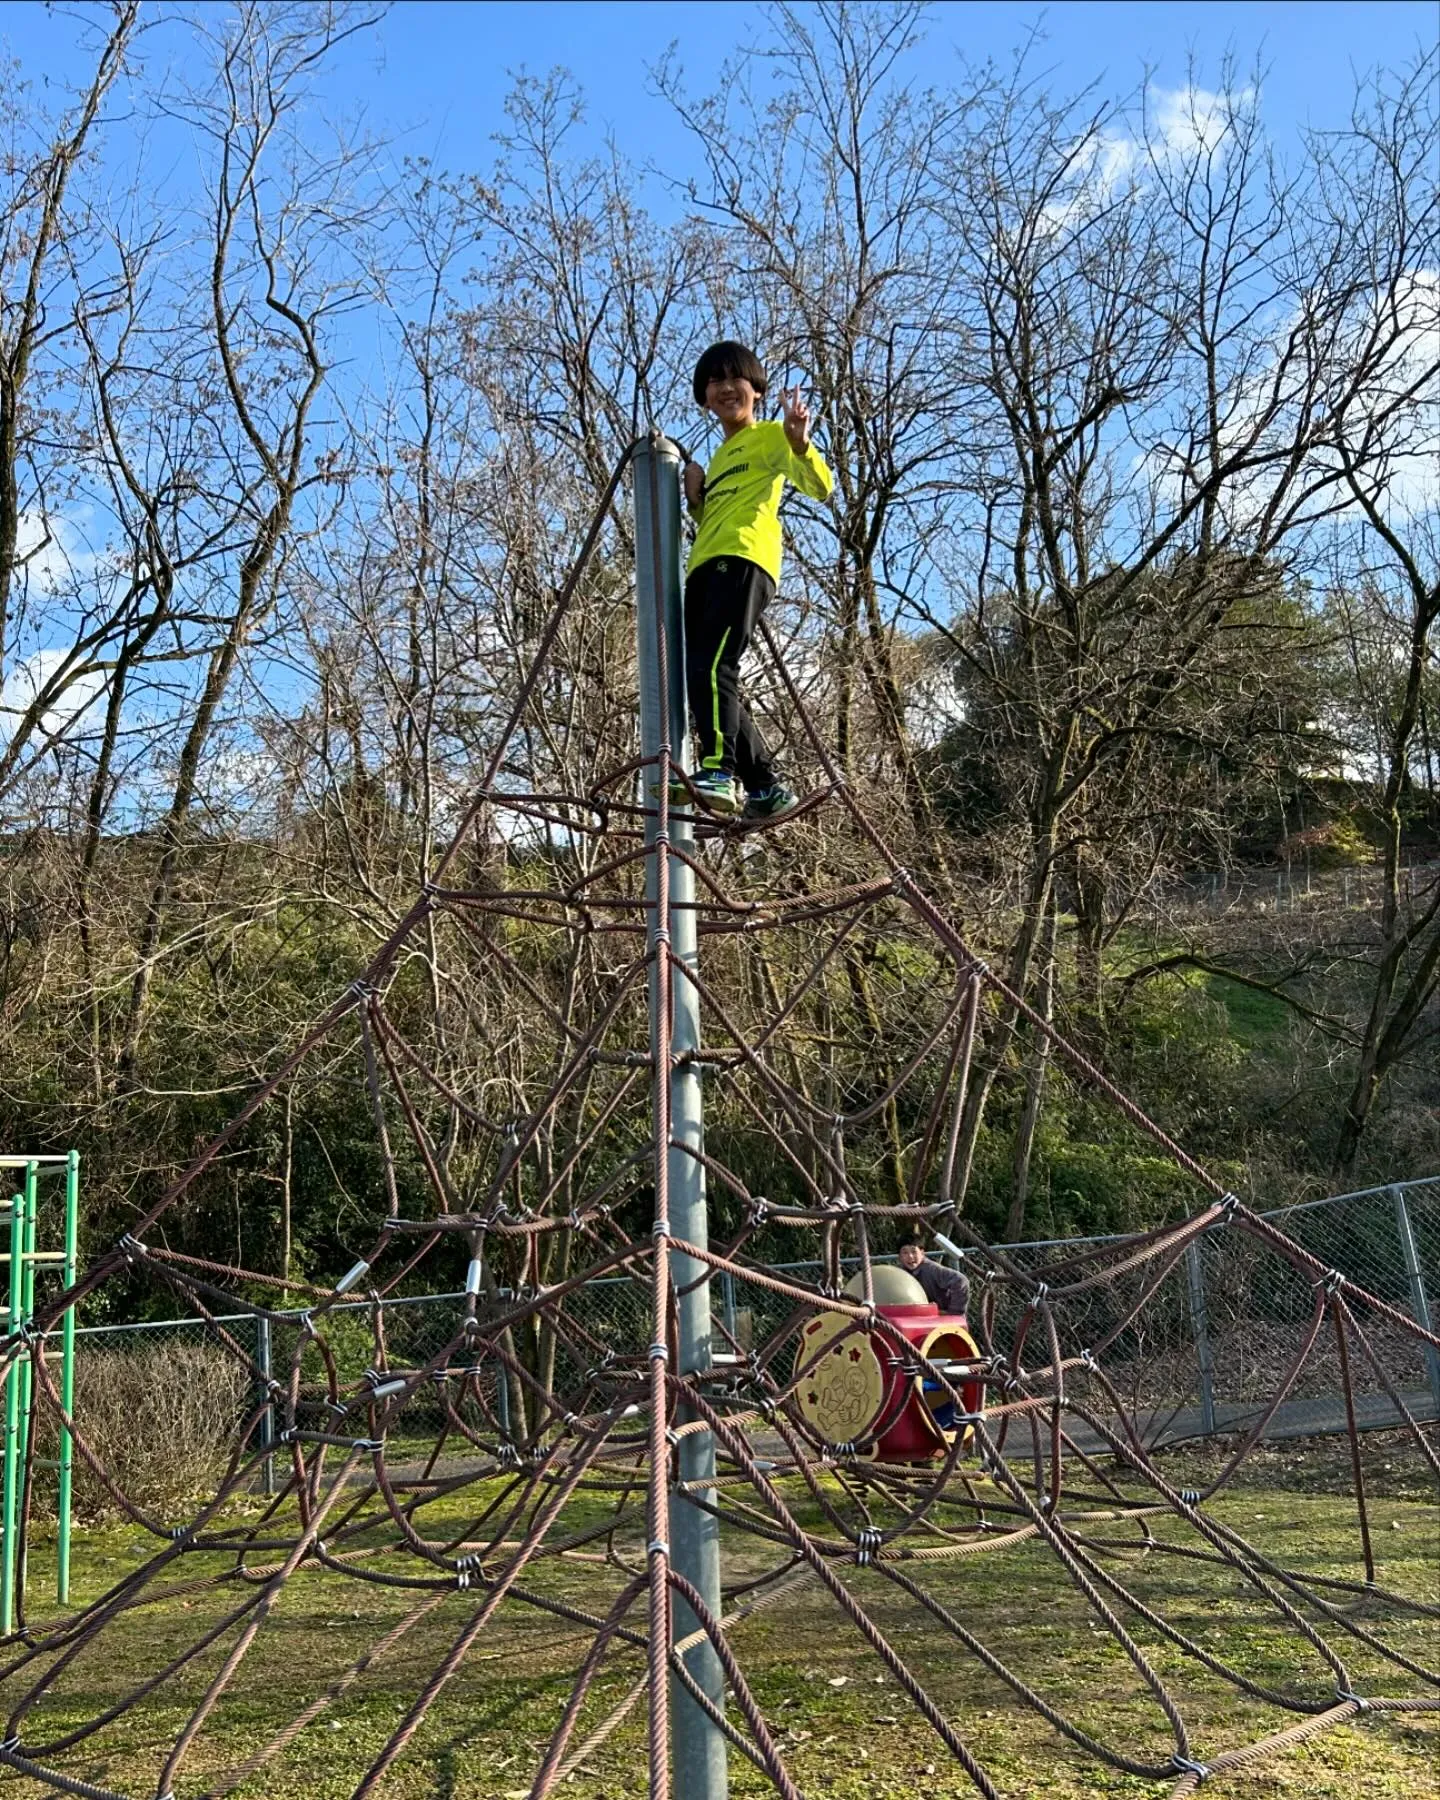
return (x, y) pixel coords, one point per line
(717, 791)
(770, 802)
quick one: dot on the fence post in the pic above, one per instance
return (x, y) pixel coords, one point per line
(8, 1558)
(1200, 1326)
(267, 1418)
(1419, 1303)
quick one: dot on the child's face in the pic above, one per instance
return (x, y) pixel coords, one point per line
(732, 400)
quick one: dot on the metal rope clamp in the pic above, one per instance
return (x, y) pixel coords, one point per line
(867, 1547)
(1353, 1698)
(1185, 1766)
(1330, 1282)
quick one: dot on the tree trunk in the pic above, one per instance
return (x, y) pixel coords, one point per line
(1038, 1065)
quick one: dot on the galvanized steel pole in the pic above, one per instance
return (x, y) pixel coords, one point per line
(697, 1744)
(1419, 1299)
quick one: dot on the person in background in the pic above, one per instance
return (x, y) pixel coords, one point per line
(946, 1288)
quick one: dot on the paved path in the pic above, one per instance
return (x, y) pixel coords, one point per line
(1296, 1418)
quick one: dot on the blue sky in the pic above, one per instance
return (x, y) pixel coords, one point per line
(431, 77)
(433, 74)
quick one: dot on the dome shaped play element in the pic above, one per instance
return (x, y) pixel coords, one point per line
(892, 1286)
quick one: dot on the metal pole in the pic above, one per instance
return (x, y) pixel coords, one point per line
(697, 1745)
(727, 1301)
(1200, 1325)
(12, 1422)
(1419, 1301)
(267, 1418)
(27, 1369)
(67, 1377)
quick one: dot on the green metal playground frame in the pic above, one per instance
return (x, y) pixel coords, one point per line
(23, 1258)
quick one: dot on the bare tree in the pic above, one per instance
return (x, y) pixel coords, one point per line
(40, 255)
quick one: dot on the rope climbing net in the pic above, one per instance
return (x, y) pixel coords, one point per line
(536, 1440)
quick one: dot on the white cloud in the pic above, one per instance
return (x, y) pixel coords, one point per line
(1099, 167)
(1400, 398)
(1192, 121)
(1412, 478)
(74, 710)
(54, 549)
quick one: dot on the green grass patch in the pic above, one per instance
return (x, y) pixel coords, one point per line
(1259, 1022)
(846, 1728)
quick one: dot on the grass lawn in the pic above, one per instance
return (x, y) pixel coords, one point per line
(846, 1728)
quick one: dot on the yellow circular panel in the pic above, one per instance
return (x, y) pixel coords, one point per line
(949, 1343)
(842, 1390)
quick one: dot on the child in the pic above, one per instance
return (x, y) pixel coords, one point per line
(733, 568)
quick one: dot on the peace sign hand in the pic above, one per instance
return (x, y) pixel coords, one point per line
(797, 420)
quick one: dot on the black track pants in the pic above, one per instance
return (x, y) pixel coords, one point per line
(724, 599)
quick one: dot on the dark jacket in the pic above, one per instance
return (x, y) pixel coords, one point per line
(946, 1288)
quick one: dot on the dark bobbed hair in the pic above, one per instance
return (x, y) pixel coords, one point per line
(736, 361)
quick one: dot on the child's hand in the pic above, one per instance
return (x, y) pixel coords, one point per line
(797, 421)
(694, 486)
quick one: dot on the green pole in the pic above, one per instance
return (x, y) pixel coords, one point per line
(27, 1368)
(12, 1422)
(67, 1376)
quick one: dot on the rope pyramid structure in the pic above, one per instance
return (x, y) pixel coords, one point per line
(536, 1440)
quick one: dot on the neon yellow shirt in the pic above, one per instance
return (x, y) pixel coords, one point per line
(743, 483)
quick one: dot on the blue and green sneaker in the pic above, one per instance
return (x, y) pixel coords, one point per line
(717, 792)
(770, 802)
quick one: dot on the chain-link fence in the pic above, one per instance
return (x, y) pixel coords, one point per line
(1196, 1342)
